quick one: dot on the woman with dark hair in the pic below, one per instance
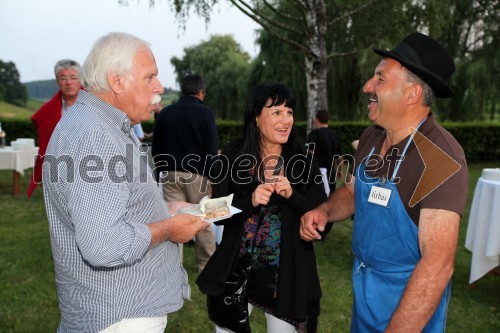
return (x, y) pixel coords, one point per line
(273, 181)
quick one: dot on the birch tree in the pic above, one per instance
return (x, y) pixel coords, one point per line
(302, 24)
(325, 32)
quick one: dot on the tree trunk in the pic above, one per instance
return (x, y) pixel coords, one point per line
(316, 75)
(316, 61)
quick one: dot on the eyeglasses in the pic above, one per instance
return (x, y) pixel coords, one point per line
(67, 79)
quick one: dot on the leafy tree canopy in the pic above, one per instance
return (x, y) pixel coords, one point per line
(322, 49)
(11, 89)
(224, 65)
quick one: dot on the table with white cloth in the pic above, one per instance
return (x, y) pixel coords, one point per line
(18, 161)
(483, 231)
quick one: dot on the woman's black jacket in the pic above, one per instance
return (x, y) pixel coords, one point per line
(298, 284)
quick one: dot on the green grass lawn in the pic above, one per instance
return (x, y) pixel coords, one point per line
(29, 300)
(10, 111)
(34, 104)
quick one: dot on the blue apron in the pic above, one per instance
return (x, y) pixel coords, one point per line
(385, 245)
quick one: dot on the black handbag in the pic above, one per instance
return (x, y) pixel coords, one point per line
(230, 310)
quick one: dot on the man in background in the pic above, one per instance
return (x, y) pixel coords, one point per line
(325, 145)
(49, 114)
(184, 144)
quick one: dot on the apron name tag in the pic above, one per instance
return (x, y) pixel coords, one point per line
(379, 196)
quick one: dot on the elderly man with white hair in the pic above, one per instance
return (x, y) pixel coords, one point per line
(114, 242)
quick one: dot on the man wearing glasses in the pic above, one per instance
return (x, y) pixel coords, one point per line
(47, 117)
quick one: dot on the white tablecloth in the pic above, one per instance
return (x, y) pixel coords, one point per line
(483, 231)
(18, 160)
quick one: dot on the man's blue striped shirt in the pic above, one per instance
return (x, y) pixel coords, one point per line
(99, 196)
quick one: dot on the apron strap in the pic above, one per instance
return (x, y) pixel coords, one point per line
(398, 163)
(396, 168)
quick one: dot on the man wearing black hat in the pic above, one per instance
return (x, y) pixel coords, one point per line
(407, 169)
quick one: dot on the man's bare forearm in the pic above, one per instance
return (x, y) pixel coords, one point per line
(159, 232)
(340, 204)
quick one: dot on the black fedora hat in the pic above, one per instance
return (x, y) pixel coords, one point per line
(427, 59)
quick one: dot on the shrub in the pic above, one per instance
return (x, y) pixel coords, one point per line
(15, 128)
(480, 141)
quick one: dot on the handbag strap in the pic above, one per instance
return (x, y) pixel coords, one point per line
(264, 209)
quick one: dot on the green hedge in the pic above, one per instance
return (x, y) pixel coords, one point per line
(481, 141)
(15, 128)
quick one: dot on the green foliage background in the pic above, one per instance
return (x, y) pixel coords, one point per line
(467, 28)
(223, 65)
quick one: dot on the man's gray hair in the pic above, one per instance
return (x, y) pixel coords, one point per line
(112, 53)
(428, 94)
(67, 64)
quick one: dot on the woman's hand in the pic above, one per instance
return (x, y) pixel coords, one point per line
(262, 194)
(283, 187)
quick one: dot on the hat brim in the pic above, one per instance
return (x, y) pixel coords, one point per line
(440, 87)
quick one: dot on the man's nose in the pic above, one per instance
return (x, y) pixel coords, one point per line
(159, 87)
(368, 87)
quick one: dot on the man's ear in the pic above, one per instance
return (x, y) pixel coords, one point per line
(116, 82)
(414, 93)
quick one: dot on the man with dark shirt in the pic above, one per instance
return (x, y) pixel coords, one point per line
(324, 143)
(184, 144)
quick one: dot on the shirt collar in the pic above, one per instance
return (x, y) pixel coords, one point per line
(108, 112)
(64, 106)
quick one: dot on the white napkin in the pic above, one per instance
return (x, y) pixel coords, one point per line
(205, 199)
(491, 174)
